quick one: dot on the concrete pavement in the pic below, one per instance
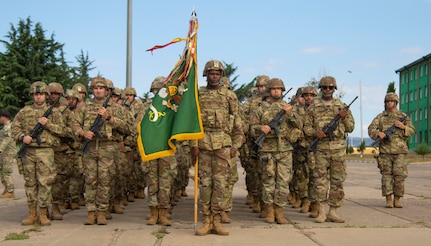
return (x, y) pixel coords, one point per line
(367, 221)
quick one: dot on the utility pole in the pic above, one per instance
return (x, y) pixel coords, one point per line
(360, 109)
(129, 45)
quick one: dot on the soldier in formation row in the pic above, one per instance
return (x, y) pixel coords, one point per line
(108, 170)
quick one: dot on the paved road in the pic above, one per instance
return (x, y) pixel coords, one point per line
(368, 222)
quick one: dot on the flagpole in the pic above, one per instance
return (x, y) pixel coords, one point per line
(196, 192)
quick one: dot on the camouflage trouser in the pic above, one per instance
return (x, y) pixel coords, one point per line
(123, 171)
(253, 179)
(77, 182)
(276, 175)
(232, 179)
(394, 172)
(160, 174)
(183, 159)
(39, 175)
(137, 178)
(6, 167)
(213, 179)
(99, 169)
(312, 190)
(64, 167)
(330, 173)
(300, 173)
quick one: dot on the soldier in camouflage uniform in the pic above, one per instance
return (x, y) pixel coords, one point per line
(330, 171)
(223, 137)
(249, 160)
(308, 93)
(137, 109)
(159, 176)
(82, 90)
(182, 155)
(7, 155)
(62, 155)
(99, 163)
(275, 155)
(76, 169)
(392, 153)
(38, 162)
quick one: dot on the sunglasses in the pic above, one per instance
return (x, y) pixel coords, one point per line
(324, 87)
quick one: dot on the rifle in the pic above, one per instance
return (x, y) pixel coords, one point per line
(388, 132)
(36, 131)
(95, 127)
(273, 124)
(329, 128)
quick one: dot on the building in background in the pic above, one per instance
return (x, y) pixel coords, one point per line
(414, 84)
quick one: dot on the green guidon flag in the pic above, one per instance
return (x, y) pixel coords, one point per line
(174, 113)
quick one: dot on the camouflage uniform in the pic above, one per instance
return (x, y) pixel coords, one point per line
(391, 158)
(222, 132)
(99, 166)
(183, 158)
(275, 155)
(7, 157)
(330, 171)
(38, 162)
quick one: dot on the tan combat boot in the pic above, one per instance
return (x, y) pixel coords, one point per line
(154, 216)
(43, 217)
(322, 214)
(314, 210)
(263, 209)
(225, 219)
(62, 208)
(101, 218)
(333, 217)
(163, 219)
(141, 193)
(255, 206)
(183, 192)
(131, 196)
(117, 208)
(74, 205)
(279, 215)
(397, 202)
(290, 198)
(249, 199)
(8, 195)
(389, 202)
(217, 227)
(206, 226)
(32, 215)
(270, 217)
(297, 202)
(305, 205)
(91, 218)
(55, 213)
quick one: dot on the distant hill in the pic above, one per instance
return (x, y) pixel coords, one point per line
(355, 142)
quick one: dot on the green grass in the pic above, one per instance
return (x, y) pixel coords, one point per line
(17, 236)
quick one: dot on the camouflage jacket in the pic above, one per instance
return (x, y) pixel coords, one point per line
(7, 145)
(137, 110)
(289, 129)
(319, 114)
(398, 144)
(26, 119)
(84, 117)
(249, 106)
(221, 119)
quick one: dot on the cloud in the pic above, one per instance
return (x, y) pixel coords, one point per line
(412, 50)
(313, 50)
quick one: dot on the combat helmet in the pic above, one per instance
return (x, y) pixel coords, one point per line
(213, 65)
(117, 92)
(309, 90)
(72, 93)
(328, 81)
(109, 84)
(55, 87)
(38, 87)
(98, 81)
(129, 91)
(275, 83)
(80, 88)
(390, 96)
(262, 80)
(157, 83)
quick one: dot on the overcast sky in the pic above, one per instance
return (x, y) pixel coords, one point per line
(292, 40)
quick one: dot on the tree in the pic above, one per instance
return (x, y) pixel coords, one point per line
(391, 87)
(31, 56)
(243, 92)
(361, 148)
(423, 149)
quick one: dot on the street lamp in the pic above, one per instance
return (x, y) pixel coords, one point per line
(360, 109)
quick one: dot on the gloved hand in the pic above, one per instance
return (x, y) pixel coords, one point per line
(320, 134)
